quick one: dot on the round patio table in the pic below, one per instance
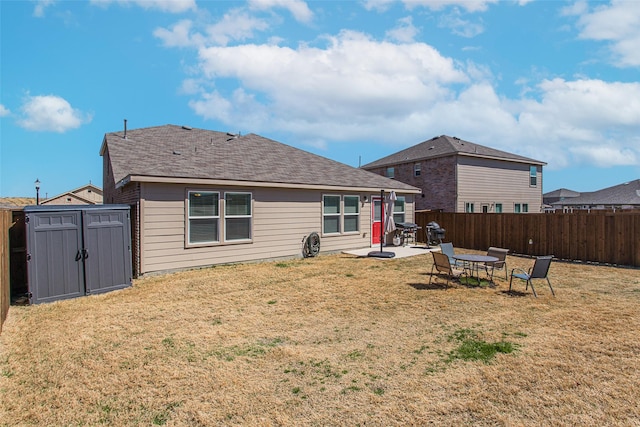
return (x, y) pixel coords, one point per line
(473, 260)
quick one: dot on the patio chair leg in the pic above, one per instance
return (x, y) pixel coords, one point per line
(554, 294)
(529, 282)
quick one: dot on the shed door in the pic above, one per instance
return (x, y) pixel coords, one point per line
(54, 265)
(107, 254)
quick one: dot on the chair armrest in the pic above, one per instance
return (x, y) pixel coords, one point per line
(521, 270)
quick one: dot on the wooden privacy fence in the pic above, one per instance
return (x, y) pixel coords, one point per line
(606, 237)
(5, 284)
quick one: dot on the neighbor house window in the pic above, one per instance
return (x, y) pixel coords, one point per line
(525, 207)
(517, 208)
(533, 176)
(498, 208)
(204, 217)
(237, 216)
(417, 169)
(399, 210)
(468, 207)
(351, 213)
(391, 173)
(331, 214)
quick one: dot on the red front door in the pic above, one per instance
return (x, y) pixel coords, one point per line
(376, 220)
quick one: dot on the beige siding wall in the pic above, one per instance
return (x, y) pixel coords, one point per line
(281, 220)
(487, 182)
(91, 195)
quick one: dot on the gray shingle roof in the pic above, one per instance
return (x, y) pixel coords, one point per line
(627, 193)
(444, 145)
(561, 192)
(181, 152)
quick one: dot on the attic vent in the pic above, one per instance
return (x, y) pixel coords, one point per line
(233, 135)
(456, 138)
(187, 127)
(177, 153)
(432, 147)
(435, 137)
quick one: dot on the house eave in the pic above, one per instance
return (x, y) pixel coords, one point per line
(237, 183)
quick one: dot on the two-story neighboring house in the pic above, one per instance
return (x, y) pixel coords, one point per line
(461, 176)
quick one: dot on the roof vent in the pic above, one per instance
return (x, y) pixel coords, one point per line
(177, 153)
(435, 137)
(456, 138)
(187, 127)
(125, 128)
(233, 135)
(432, 147)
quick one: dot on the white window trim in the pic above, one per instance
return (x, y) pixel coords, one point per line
(224, 217)
(345, 214)
(404, 211)
(189, 218)
(339, 215)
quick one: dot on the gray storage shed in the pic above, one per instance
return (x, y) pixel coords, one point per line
(77, 250)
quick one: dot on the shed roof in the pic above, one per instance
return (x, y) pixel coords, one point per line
(443, 145)
(181, 153)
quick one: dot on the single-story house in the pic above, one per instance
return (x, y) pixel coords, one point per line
(621, 196)
(461, 176)
(88, 194)
(200, 197)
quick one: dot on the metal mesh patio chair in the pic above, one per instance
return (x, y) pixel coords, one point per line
(442, 265)
(447, 249)
(501, 264)
(540, 270)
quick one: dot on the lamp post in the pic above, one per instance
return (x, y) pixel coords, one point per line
(37, 191)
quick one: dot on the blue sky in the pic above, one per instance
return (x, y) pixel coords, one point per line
(558, 81)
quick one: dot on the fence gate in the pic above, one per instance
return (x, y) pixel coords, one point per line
(77, 250)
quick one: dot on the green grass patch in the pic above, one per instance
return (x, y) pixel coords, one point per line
(472, 348)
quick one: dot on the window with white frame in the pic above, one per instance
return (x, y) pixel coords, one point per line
(237, 216)
(498, 208)
(330, 214)
(417, 169)
(399, 209)
(517, 208)
(203, 217)
(391, 172)
(525, 207)
(468, 207)
(351, 214)
(533, 176)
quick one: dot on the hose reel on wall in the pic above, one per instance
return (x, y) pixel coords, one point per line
(311, 245)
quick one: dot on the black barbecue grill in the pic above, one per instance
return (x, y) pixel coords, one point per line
(406, 231)
(435, 233)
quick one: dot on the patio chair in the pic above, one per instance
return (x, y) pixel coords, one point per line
(501, 264)
(442, 265)
(447, 249)
(540, 270)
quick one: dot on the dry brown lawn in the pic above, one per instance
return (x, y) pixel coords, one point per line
(332, 340)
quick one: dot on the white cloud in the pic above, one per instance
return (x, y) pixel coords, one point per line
(236, 25)
(460, 26)
(617, 23)
(299, 9)
(4, 111)
(50, 113)
(468, 5)
(404, 32)
(170, 6)
(41, 5)
(340, 88)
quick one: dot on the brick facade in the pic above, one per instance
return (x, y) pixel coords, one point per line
(437, 180)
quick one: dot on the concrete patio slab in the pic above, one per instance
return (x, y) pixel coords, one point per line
(400, 251)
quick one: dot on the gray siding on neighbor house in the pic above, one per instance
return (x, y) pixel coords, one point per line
(281, 218)
(486, 182)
